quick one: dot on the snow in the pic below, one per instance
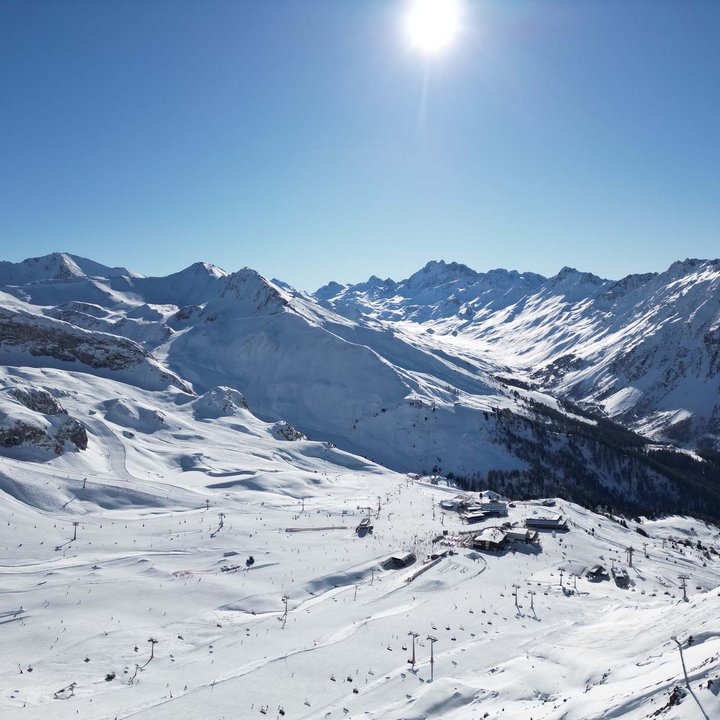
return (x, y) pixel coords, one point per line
(57, 266)
(238, 433)
(162, 554)
(578, 335)
(344, 365)
(622, 401)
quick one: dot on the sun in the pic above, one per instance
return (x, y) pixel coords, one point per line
(432, 25)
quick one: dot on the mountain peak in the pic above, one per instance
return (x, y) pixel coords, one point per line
(251, 292)
(329, 291)
(375, 281)
(204, 269)
(438, 272)
(573, 275)
(440, 266)
(683, 267)
(55, 266)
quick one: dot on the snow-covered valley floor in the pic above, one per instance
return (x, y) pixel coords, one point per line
(167, 521)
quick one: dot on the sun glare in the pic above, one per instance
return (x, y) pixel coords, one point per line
(432, 25)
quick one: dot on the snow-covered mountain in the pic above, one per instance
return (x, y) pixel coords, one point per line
(56, 266)
(480, 376)
(644, 350)
(184, 499)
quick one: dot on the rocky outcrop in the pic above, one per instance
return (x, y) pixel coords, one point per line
(71, 430)
(21, 433)
(44, 337)
(285, 431)
(36, 399)
(32, 417)
(62, 341)
(218, 402)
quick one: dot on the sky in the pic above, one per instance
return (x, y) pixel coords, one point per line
(310, 140)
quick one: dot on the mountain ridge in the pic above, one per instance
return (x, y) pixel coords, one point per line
(449, 370)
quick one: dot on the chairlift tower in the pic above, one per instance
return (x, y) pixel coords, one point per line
(412, 659)
(432, 640)
(515, 595)
(683, 585)
(75, 527)
(682, 659)
(532, 594)
(285, 599)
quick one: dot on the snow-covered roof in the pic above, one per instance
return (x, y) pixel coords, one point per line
(491, 535)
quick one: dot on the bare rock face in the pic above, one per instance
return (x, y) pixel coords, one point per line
(285, 431)
(21, 433)
(62, 341)
(24, 433)
(37, 399)
(34, 336)
(31, 417)
(74, 431)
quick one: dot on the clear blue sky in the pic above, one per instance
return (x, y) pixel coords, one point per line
(305, 139)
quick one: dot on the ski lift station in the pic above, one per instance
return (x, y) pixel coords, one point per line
(597, 573)
(457, 503)
(475, 517)
(522, 535)
(493, 539)
(400, 560)
(549, 522)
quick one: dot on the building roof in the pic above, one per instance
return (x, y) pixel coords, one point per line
(476, 514)
(545, 520)
(492, 535)
(521, 533)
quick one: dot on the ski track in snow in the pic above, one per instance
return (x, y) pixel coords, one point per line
(197, 518)
(116, 453)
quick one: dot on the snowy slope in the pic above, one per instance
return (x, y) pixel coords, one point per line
(157, 483)
(28, 339)
(644, 349)
(57, 266)
(451, 371)
(170, 514)
(291, 358)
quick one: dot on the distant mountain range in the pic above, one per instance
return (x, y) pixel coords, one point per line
(603, 391)
(644, 350)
